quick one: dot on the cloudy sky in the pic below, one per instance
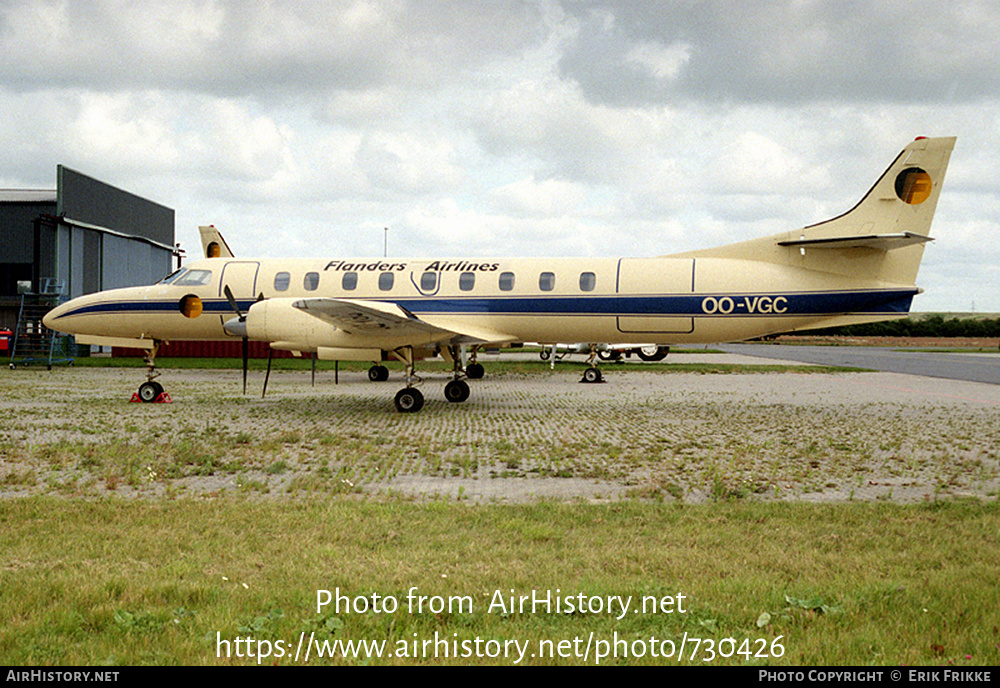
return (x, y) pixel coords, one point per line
(510, 128)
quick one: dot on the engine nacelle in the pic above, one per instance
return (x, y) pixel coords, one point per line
(278, 322)
(283, 326)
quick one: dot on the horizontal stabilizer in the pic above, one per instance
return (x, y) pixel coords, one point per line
(882, 242)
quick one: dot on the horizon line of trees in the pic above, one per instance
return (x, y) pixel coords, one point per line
(931, 326)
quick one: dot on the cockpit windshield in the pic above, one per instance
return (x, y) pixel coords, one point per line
(169, 279)
(188, 278)
(194, 278)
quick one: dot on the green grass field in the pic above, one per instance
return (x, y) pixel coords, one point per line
(162, 582)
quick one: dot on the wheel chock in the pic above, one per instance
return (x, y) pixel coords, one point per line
(161, 398)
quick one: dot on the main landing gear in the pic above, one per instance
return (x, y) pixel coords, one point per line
(410, 399)
(457, 390)
(378, 373)
(474, 371)
(151, 391)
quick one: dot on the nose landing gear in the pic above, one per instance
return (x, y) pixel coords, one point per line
(151, 391)
(593, 373)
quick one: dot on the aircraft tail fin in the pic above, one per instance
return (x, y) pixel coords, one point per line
(889, 227)
(213, 244)
(881, 239)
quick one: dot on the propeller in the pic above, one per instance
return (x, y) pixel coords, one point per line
(240, 328)
(270, 353)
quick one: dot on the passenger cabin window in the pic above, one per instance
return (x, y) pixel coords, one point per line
(428, 281)
(350, 281)
(194, 278)
(385, 280)
(466, 281)
(311, 281)
(506, 281)
(547, 281)
(588, 281)
(281, 281)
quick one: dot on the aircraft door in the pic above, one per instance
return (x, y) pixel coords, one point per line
(660, 291)
(241, 278)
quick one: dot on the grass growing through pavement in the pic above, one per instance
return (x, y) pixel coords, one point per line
(152, 582)
(644, 435)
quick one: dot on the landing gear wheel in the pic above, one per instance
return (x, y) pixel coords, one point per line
(609, 355)
(475, 371)
(545, 354)
(378, 373)
(654, 353)
(591, 375)
(409, 400)
(149, 391)
(456, 391)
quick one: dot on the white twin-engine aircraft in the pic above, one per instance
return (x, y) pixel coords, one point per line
(858, 267)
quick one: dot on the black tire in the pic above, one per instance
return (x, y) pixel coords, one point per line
(456, 391)
(378, 373)
(650, 353)
(609, 355)
(409, 400)
(475, 371)
(149, 391)
(591, 375)
(545, 354)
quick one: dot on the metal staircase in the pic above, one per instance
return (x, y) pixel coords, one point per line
(35, 344)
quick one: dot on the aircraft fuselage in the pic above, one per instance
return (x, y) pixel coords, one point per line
(638, 300)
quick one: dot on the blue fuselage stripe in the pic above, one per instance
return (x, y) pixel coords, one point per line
(683, 305)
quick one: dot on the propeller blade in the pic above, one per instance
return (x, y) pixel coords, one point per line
(246, 358)
(270, 352)
(232, 302)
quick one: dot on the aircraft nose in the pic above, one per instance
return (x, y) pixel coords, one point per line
(50, 318)
(236, 326)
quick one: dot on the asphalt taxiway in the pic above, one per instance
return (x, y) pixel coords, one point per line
(969, 367)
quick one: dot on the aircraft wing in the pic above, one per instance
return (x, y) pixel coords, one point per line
(381, 317)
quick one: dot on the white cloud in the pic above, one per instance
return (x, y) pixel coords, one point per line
(547, 198)
(661, 61)
(132, 128)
